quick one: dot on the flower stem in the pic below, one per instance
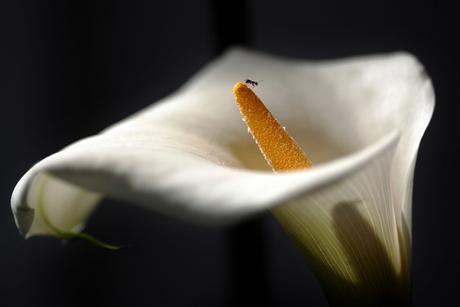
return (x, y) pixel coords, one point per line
(68, 235)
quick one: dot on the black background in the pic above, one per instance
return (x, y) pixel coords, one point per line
(68, 69)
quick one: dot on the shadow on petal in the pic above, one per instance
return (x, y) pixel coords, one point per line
(364, 274)
(377, 282)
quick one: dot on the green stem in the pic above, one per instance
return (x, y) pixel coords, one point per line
(68, 235)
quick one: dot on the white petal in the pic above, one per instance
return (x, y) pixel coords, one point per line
(348, 235)
(75, 204)
(191, 157)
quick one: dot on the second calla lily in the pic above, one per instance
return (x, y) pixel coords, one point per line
(360, 120)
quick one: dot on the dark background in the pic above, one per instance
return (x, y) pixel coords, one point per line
(68, 69)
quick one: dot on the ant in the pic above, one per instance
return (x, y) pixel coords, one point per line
(253, 83)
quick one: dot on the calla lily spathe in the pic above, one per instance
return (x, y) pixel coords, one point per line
(360, 120)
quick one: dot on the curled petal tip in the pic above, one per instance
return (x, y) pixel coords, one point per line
(24, 218)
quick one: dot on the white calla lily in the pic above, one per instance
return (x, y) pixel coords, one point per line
(360, 121)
